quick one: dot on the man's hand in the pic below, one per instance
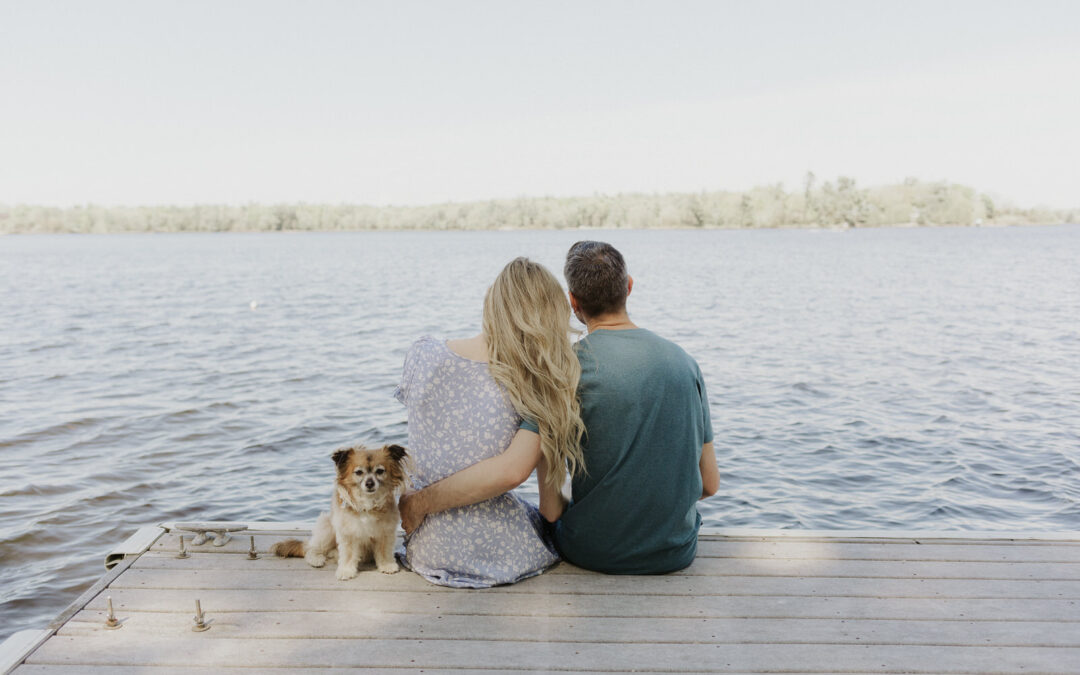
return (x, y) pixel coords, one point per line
(412, 511)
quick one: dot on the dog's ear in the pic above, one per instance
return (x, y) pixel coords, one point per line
(340, 456)
(396, 452)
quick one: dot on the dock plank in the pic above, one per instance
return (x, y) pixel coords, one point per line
(198, 650)
(561, 584)
(366, 623)
(497, 604)
(197, 670)
(958, 551)
(780, 567)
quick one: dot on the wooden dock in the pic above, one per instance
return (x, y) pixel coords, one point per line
(753, 602)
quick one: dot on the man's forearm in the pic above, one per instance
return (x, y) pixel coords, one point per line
(710, 472)
(473, 484)
(483, 480)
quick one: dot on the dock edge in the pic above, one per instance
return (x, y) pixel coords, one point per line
(19, 646)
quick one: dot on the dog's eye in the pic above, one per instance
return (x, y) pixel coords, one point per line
(380, 471)
(359, 472)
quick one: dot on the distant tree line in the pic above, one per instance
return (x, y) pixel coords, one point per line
(828, 204)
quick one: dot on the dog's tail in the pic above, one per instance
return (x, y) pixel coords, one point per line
(290, 548)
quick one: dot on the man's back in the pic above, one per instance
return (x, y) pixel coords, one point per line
(646, 416)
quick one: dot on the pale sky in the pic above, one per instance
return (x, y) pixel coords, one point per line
(153, 102)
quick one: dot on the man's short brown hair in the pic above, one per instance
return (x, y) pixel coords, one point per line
(596, 275)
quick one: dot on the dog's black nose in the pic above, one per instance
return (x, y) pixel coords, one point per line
(369, 483)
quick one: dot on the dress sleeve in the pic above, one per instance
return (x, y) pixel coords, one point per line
(529, 425)
(408, 373)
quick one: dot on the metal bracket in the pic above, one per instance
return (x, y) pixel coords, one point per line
(135, 545)
(111, 622)
(200, 624)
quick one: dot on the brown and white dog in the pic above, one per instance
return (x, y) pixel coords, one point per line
(363, 516)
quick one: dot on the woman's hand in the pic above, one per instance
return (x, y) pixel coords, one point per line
(411, 506)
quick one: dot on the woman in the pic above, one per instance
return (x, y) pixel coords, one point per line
(494, 407)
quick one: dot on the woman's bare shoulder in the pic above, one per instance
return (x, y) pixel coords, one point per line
(474, 348)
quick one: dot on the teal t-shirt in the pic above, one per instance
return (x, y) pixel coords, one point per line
(646, 417)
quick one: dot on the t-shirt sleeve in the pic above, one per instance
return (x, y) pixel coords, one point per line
(708, 436)
(529, 425)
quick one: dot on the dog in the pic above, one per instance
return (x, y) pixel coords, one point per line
(363, 518)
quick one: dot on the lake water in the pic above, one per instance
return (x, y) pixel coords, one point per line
(891, 378)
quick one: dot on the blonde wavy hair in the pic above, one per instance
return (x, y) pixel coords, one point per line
(527, 327)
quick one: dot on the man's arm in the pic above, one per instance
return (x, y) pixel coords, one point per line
(483, 480)
(710, 473)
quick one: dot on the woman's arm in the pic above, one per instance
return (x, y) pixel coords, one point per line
(483, 480)
(552, 500)
(710, 473)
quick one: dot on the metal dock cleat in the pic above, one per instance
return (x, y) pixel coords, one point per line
(217, 531)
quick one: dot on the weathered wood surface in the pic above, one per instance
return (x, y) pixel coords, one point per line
(576, 584)
(547, 656)
(838, 548)
(712, 567)
(200, 670)
(364, 623)
(601, 605)
(748, 604)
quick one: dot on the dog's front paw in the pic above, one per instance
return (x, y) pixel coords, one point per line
(345, 572)
(315, 559)
(389, 568)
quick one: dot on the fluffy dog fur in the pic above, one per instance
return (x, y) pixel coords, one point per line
(363, 516)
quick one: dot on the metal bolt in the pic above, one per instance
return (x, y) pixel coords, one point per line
(183, 552)
(110, 621)
(252, 555)
(200, 625)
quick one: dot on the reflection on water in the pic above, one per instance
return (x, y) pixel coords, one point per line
(866, 379)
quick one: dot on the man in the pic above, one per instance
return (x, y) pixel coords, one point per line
(648, 445)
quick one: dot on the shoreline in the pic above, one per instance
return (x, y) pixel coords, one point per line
(672, 228)
(828, 205)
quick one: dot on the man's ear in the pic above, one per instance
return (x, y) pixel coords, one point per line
(629, 285)
(575, 307)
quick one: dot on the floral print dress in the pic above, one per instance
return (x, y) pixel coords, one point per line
(459, 416)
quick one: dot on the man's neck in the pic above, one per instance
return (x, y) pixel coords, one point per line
(615, 321)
